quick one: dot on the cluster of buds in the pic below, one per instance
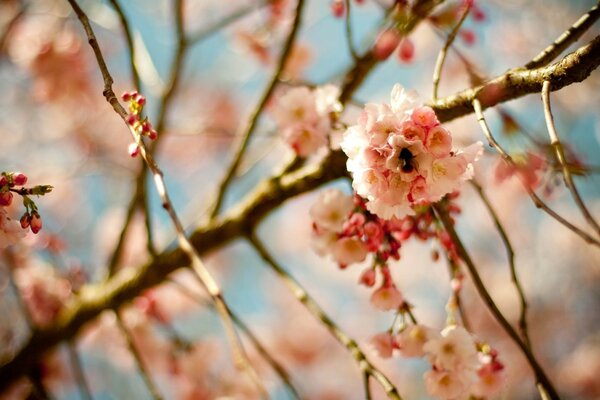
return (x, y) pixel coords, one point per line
(344, 228)
(13, 182)
(139, 124)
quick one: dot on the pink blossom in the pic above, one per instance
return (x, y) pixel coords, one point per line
(6, 198)
(387, 298)
(491, 377)
(303, 117)
(383, 344)
(412, 339)
(439, 141)
(349, 250)
(454, 349)
(400, 156)
(331, 209)
(445, 384)
(424, 116)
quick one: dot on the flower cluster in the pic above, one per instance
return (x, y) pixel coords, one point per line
(344, 228)
(13, 182)
(460, 366)
(140, 125)
(400, 156)
(304, 117)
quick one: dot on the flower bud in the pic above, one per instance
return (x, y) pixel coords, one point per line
(25, 220)
(3, 181)
(368, 277)
(406, 51)
(19, 179)
(5, 198)
(36, 222)
(386, 43)
(133, 149)
(338, 8)
(126, 96)
(153, 134)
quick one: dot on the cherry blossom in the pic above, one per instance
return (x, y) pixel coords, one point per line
(303, 116)
(400, 156)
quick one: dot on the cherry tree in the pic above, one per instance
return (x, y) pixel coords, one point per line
(299, 199)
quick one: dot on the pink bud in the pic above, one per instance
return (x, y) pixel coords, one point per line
(468, 36)
(36, 222)
(133, 149)
(19, 179)
(141, 100)
(3, 181)
(126, 96)
(145, 127)
(25, 221)
(478, 14)
(5, 198)
(132, 119)
(338, 8)
(386, 43)
(367, 278)
(407, 50)
(153, 134)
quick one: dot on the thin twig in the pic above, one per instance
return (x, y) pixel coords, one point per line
(260, 348)
(253, 122)
(205, 32)
(365, 365)
(82, 383)
(240, 358)
(135, 76)
(536, 200)
(563, 41)
(560, 155)
(152, 388)
(367, 385)
(349, 35)
(510, 254)
(439, 64)
(539, 372)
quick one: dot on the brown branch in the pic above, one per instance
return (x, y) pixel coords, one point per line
(560, 155)
(540, 375)
(253, 121)
(571, 35)
(311, 305)
(517, 82)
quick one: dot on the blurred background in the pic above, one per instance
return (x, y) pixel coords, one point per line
(57, 128)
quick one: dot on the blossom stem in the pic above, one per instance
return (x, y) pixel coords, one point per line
(510, 253)
(560, 155)
(314, 308)
(439, 64)
(349, 35)
(538, 371)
